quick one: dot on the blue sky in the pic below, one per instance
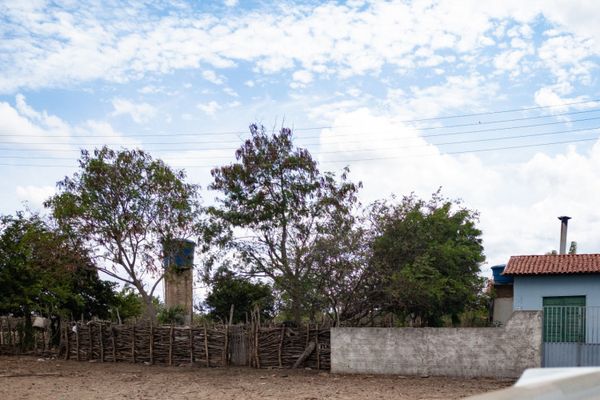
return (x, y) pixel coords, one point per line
(184, 79)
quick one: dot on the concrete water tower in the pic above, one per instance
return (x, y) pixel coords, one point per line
(179, 275)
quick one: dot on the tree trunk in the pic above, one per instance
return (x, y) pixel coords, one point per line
(296, 308)
(149, 313)
(27, 330)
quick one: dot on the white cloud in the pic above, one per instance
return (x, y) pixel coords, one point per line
(209, 108)
(62, 46)
(230, 3)
(35, 195)
(139, 113)
(301, 78)
(213, 77)
(518, 201)
(456, 93)
(230, 92)
(30, 129)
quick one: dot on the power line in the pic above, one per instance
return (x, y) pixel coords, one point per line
(322, 142)
(520, 136)
(424, 128)
(357, 159)
(455, 116)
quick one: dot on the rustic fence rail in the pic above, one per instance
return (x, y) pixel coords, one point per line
(12, 338)
(216, 346)
(168, 345)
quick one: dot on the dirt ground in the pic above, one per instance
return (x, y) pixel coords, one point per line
(32, 378)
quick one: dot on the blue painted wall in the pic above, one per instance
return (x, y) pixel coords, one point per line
(529, 290)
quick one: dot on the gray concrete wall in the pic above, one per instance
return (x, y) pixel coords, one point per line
(503, 309)
(493, 352)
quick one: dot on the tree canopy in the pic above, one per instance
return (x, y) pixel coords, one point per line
(426, 255)
(42, 271)
(275, 205)
(122, 205)
(227, 289)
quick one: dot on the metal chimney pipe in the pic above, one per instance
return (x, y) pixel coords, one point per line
(563, 233)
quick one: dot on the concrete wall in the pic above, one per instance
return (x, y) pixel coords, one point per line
(503, 309)
(530, 290)
(469, 352)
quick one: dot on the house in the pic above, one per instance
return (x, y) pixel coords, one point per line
(555, 280)
(566, 287)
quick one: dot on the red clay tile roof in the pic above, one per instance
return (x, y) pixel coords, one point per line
(553, 264)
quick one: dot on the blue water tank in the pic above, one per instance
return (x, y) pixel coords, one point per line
(179, 254)
(500, 279)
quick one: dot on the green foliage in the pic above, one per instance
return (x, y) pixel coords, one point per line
(43, 272)
(573, 248)
(427, 257)
(228, 289)
(171, 315)
(276, 194)
(128, 305)
(123, 205)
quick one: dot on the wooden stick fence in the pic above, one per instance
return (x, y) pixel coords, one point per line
(12, 338)
(168, 345)
(218, 346)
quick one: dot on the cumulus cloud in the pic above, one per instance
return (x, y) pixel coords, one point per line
(31, 129)
(213, 77)
(139, 112)
(46, 46)
(209, 108)
(518, 201)
(34, 195)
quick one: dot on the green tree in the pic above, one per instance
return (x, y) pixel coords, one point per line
(427, 256)
(227, 289)
(282, 203)
(123, 205)
(171, 315)
(43, 272)
(128, 305)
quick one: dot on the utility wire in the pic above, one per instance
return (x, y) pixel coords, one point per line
(356, 159)
(396, 138)
(493, 139)
(215, 133)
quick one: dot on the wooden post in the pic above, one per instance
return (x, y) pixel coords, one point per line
(10, 337)
(206, 346)
(225, 347)
(318, 348)
(1, 332)
(191, 345)
(67, 342)
(133, 343)
(307, 352)
(256, 344)
(91, 353)
(171, 345)
(281, 346)
(151, 343)
(77, 340)
(114, 343)
(307, 333)
(101, 341)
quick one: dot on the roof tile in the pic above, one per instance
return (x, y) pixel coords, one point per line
(553, 264)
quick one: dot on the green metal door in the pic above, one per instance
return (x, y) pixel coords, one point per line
(564, 319)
